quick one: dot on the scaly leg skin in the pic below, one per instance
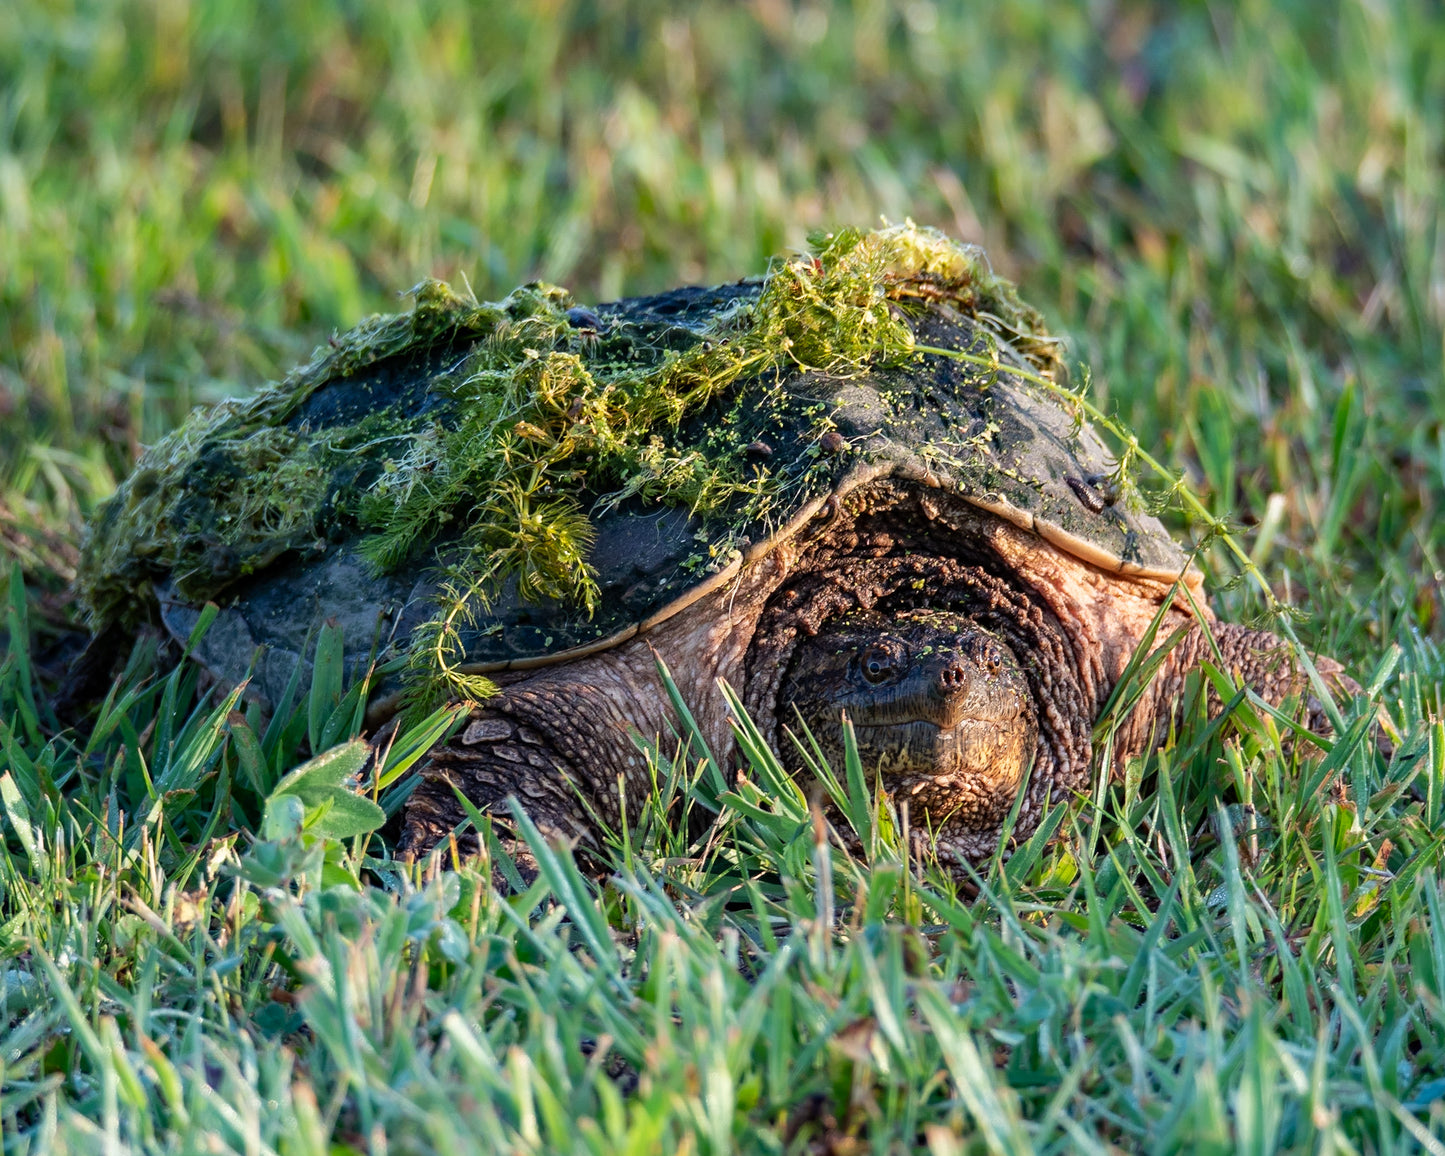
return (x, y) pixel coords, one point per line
(496, 757)
(1256, 658)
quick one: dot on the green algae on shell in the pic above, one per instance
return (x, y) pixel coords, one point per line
(495, 471)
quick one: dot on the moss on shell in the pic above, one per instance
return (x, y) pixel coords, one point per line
(535, 404)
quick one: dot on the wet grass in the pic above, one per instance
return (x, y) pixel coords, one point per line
(1233, 211)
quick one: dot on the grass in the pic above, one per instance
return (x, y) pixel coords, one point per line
(1234, 212)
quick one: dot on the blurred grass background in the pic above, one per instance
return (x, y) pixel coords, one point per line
(1233, 210)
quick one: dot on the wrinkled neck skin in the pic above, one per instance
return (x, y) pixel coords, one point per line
(1067, 629)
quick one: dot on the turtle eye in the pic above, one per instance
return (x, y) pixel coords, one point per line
(992, 660)
(879, 663)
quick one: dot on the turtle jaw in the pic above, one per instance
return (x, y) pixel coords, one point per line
(969, 771)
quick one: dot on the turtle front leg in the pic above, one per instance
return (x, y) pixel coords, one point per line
(494, 758)
(1260, 660)
(558, 743)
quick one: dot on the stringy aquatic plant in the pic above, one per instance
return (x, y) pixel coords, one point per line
(536, 405)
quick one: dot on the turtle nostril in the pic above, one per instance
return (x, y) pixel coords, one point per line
(950, 678)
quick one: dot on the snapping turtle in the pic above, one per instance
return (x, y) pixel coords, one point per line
(855, 485)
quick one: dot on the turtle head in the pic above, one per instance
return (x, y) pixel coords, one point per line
(940, 707)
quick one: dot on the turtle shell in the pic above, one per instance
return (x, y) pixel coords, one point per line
(981, 430)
